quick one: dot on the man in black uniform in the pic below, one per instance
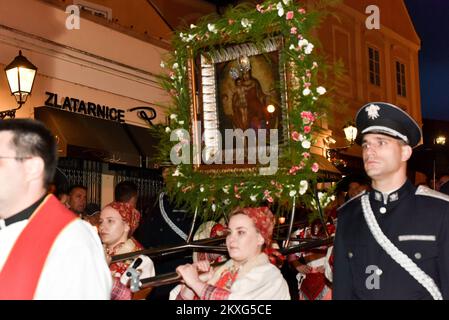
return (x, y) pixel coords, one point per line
(165, 225)
(391, 242)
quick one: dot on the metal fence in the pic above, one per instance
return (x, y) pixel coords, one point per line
(86, 173)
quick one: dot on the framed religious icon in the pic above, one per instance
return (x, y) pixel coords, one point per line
(240, 108)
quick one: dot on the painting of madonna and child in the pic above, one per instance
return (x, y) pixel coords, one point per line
(248, 94)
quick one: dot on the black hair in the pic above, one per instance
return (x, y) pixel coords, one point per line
(124, 191)
(32, 139)
(77, 186)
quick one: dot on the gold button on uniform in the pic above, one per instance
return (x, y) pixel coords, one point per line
(418, 255)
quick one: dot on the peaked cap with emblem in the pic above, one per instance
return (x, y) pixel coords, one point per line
(388, 119)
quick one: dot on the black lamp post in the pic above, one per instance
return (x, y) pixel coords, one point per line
(20, 74)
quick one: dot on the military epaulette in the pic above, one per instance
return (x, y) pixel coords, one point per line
(426, 191)
(350, 200)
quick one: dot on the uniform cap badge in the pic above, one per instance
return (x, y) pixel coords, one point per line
(373, 111)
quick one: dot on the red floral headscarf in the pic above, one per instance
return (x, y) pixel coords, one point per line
(129, 214)
(263, 220)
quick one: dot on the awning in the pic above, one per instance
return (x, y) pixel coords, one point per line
(327, 171)
(90, 138)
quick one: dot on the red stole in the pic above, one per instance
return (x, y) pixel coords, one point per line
(23, 267)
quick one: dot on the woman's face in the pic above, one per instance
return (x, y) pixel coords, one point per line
(112, 228)
(243, 241)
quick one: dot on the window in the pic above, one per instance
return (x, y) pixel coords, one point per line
(400, 79)
(374, 66)
(95, 9)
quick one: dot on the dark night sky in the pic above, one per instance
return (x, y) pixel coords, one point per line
(431, 21)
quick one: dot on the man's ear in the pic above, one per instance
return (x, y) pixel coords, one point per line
(34, 168)
(406, 152)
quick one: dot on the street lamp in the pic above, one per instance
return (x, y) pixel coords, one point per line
(350, 132)
(440, 140)
(333, 153)
(20, 74)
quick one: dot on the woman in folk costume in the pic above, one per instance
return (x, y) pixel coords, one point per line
(248, 274)
(313, 281)
(118, 221)
(207, 230)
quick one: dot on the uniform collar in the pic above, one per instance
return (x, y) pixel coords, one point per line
(385, 198)
(22, 215)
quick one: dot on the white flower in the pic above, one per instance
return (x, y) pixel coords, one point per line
(181, 122)
(280, 9)
(308, 49)
(202, 189)
(292, 47)
(211, 27)
(176, 173)
(192, 26)
(226, 189)
(292, 193)
(226, 201)
(190, 37)
(167, 129)
(246, 23)
(306, 92)
(373, 111)
(303, 186)
(175, 65)
(214, 207)
(253, 197)
(179, 184)
(321, 90)
(305, 144)
(286, 2)
(162, 64)
(303, 42)
(173, 116)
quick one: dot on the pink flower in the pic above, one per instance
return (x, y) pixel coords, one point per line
(259, 8)
(306, 155)
(295, 135)
(267, 196)
(301, 10)
(315, 167)
(231, 22)
(293, 30)
(289, 15)
(308, 115)
(307, 129)
(293, 170)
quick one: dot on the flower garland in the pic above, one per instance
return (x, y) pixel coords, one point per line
(217, 193)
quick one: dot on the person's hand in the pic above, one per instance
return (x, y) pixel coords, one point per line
(202, 265)
(205, 270)
(304, 269)
(189, 274)
(145, 269)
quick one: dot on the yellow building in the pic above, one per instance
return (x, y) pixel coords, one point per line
(380, 64)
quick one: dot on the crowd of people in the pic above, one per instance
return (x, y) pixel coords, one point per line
(391, 237)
